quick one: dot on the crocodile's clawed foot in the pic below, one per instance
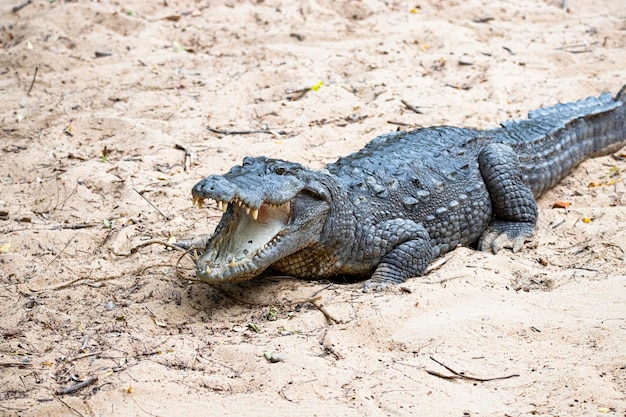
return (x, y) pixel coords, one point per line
(372, 285)
(495, 241)
(503, 234)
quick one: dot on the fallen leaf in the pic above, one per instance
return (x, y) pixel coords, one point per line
(5, 248)
(317, 86)
(586, 220)
(274, 357)
(561, 204)
(160, 323)
(613, 171)
(172, 18)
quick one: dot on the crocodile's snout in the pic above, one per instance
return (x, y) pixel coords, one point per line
(214, 187)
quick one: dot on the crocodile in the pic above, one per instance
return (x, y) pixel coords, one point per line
(382, 214)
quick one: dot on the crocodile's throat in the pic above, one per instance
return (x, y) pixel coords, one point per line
(245, 240)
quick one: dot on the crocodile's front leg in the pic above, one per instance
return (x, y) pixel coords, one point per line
(405, 249)
(514, 207)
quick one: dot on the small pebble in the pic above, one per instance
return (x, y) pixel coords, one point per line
(274, 357)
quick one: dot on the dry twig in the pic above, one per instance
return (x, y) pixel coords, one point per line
(403, 124)
(325, 312)
(154, 242)
(153, 206)
(34, 75)
(17, 9)
(246, 132)
(14, 365)
(62, 250)
(460, 375)
(84, 355)
(188, 154)
(411, 107)
(77, 387)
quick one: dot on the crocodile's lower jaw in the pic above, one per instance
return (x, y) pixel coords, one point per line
(241, 248)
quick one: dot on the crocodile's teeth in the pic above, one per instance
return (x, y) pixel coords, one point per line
(199, 202)
(224, 207)
(239, 202)
(255, 214)
(247, 210)
(219, 205)
(232, 263)
(195, 255)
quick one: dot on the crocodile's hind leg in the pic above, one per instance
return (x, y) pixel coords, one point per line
(513, 203)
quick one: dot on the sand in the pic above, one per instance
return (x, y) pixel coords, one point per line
(100, 99)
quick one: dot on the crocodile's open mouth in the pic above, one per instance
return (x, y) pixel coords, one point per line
(242, 240)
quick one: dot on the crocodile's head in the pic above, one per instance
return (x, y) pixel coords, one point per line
(272, 209)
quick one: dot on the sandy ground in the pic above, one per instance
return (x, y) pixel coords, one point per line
(90, 169)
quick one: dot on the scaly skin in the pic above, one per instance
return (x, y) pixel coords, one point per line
(407, 197)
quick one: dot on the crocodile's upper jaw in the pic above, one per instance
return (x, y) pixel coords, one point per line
(247, 240)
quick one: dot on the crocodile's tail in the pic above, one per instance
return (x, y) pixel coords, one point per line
(609, 132)
(553, 140)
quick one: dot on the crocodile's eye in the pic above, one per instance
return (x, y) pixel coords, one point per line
(279, 171)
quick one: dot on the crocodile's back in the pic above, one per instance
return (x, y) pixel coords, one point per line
(439, 147)
(396, 170)
(553, 140)
(429, 176)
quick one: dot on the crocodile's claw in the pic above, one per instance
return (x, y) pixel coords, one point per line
(502, 234)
